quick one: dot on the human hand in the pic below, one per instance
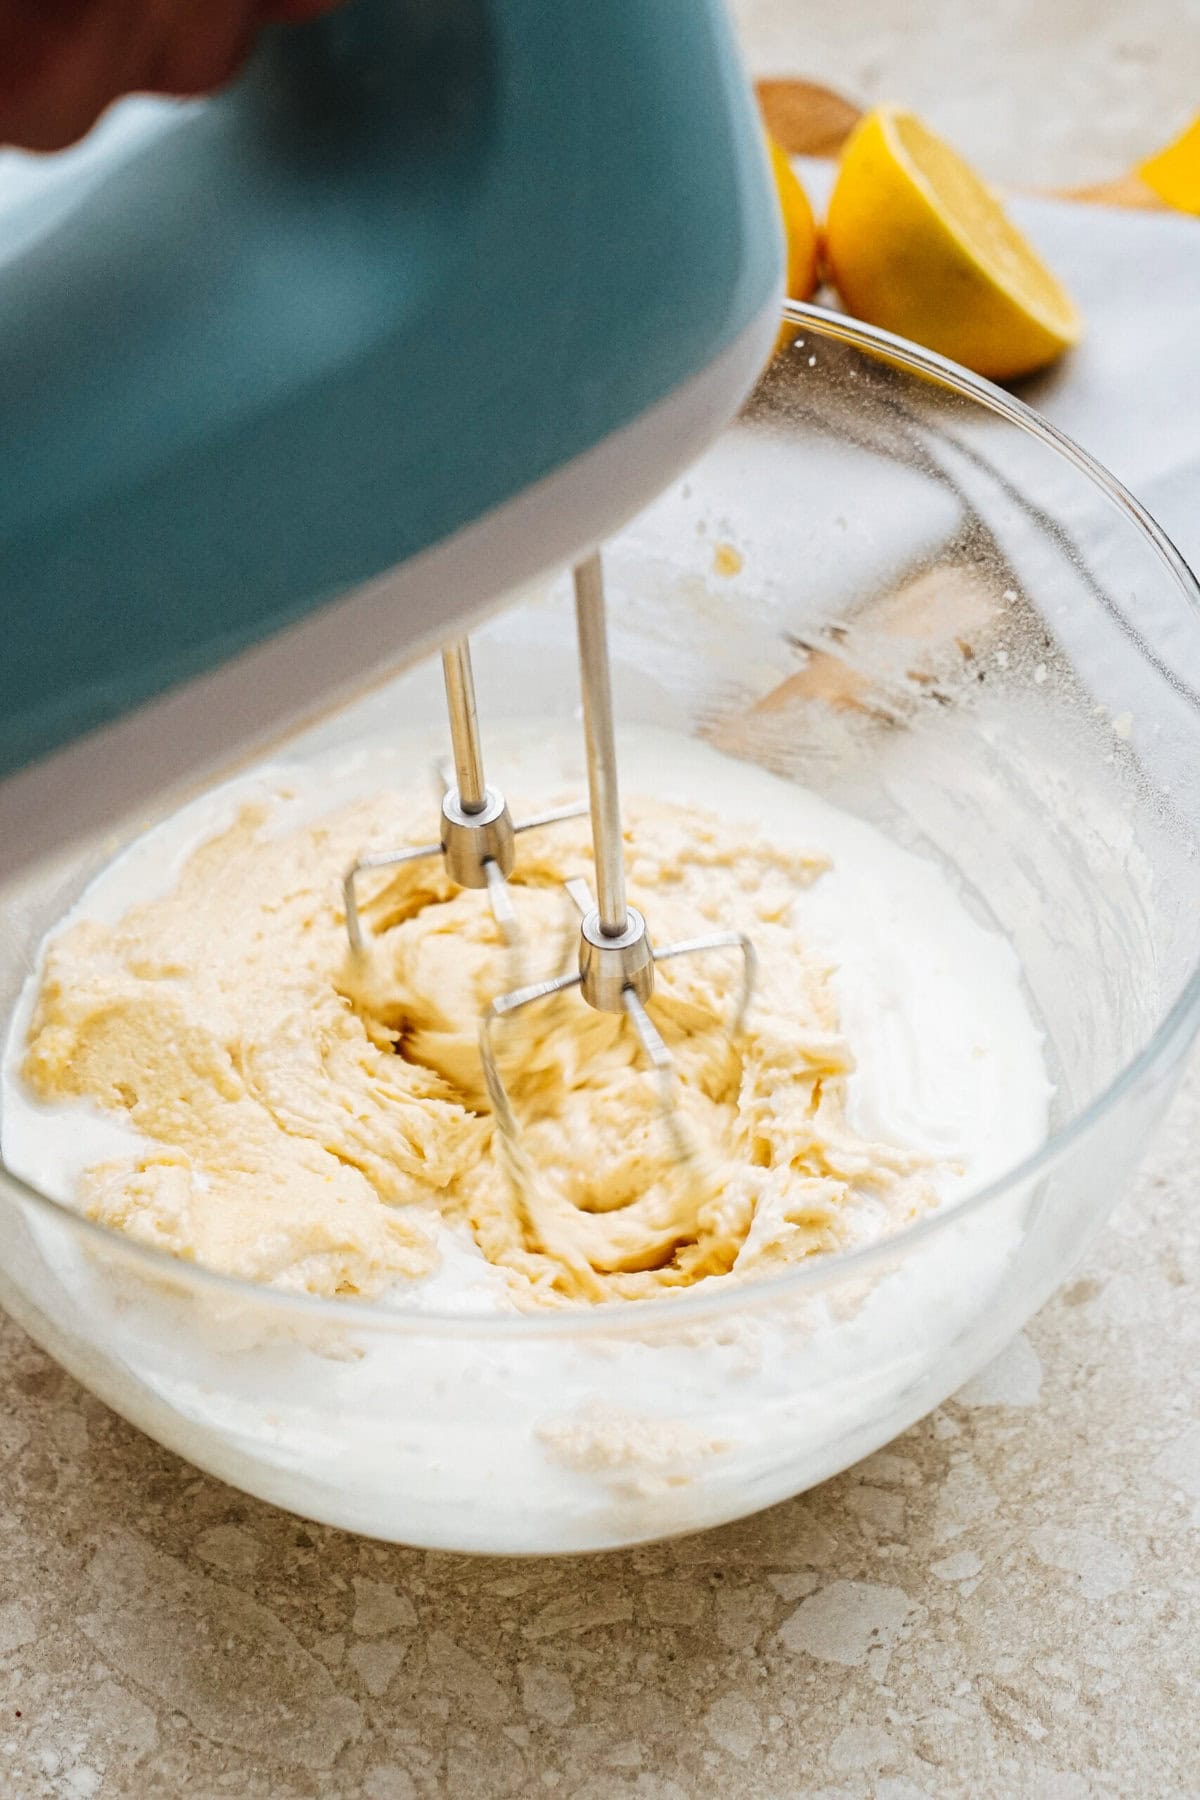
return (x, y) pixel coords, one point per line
(62, 62)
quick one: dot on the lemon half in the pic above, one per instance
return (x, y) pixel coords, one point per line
(918, 244)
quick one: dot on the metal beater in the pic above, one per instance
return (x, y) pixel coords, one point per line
(616, 956)
(616, 959)
(478, 841)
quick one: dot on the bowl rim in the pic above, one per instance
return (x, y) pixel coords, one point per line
(724, 1295)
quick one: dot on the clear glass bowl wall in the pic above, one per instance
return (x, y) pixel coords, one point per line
(946, 620)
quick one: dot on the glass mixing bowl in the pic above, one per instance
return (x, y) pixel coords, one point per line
(892, 582)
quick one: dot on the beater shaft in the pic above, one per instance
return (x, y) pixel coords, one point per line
(464, 726)
(596, 681)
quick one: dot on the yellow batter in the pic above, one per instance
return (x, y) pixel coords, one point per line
(306, 1113)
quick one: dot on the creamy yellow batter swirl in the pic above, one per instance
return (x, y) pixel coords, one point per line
(305, 1115)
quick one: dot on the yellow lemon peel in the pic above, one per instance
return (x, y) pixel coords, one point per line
(919, 245)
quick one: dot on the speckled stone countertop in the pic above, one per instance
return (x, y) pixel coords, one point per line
(1001, 1603)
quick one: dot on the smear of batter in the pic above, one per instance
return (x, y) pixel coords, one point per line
(305, 1113)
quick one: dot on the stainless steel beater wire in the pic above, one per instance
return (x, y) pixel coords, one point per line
(464, 725)
(663, 1064)
(722, 940)
(389, 859)
(652, 1040)
(596, 682)
(503, 910)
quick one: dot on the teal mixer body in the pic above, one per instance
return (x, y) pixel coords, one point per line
(421, 259)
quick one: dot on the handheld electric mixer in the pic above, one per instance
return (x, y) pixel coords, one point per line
(430, 302)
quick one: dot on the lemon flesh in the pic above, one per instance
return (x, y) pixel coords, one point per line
(918, 244)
